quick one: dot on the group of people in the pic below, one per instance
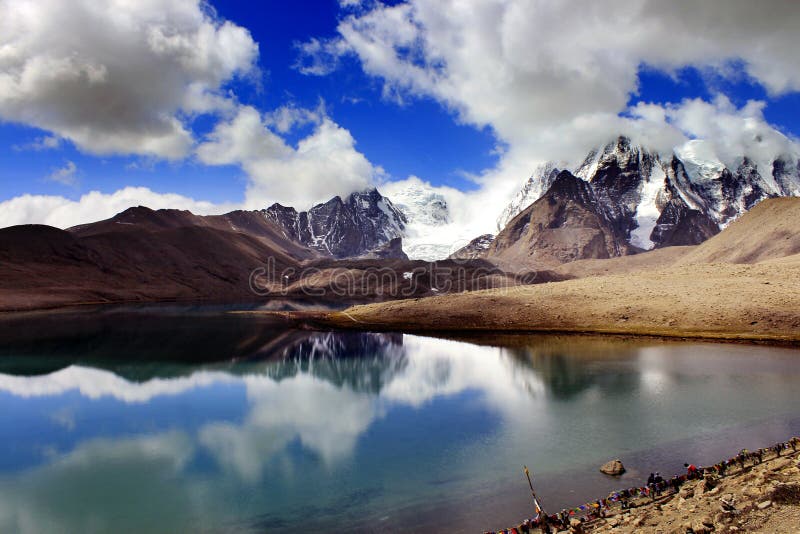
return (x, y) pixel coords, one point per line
(655, 487)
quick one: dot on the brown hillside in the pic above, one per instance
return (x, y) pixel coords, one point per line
(675, 291)
(768, 231)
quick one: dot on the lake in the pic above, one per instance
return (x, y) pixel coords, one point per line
(174, 418)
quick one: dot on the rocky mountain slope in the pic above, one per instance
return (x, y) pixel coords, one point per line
(140, 254)
(343, 228)
(568, 223)
(653, 200)
(474, 249)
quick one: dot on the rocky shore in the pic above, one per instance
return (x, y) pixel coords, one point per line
(761, 497)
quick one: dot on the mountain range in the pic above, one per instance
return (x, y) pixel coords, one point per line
(621, 200)
(741, 284)
(362, 224)
(624, 199)
(143, 255)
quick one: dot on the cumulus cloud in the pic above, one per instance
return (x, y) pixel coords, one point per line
(553, 79)
(117, 76)
(517, 66)
(64, 175)
(62, 212)
(323, 164)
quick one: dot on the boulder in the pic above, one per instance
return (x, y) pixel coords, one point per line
(575, 526)
(764, 505)
(613, 468)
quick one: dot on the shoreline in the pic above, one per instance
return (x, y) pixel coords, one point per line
(342, 320)
(714, 499)
(333, 321)
(721, 302)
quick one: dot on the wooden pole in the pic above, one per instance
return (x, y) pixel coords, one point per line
(533, 493)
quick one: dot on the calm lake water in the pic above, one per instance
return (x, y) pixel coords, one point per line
(182, 419)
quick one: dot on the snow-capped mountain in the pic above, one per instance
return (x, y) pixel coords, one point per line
(362, 223)
(428, 232)
(647, 195)
(538, 183)
(421, 205)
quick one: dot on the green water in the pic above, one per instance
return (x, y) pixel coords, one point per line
(177, 420)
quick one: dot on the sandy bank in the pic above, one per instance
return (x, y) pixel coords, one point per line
(758, 302)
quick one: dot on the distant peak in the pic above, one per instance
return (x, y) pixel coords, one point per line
(370, 192)
(137, 210)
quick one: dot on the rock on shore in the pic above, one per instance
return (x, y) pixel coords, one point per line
(613, 468)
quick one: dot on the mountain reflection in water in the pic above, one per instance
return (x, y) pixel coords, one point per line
(144, 420)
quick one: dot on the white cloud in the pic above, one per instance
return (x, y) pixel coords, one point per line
(733, 132)
(287, 118)
(117, 76)
(553, 79)
(324, 164)
(319, 56)
(519, 65)
(45, 142)
(62, 212)
(64, 175)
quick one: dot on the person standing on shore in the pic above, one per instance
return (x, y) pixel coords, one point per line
(691, 471)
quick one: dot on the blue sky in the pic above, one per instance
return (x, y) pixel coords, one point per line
(462, 95)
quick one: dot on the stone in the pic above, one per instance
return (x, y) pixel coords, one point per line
(613, 468)
(575, 526)
(686, 492)
(764, 505)
(707, 521)
(709, 482)
(751, 491)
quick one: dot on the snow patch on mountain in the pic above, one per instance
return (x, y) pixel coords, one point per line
(536, 186)
(647, 212)
(429, 234)
(700, 160)
(420, 203)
